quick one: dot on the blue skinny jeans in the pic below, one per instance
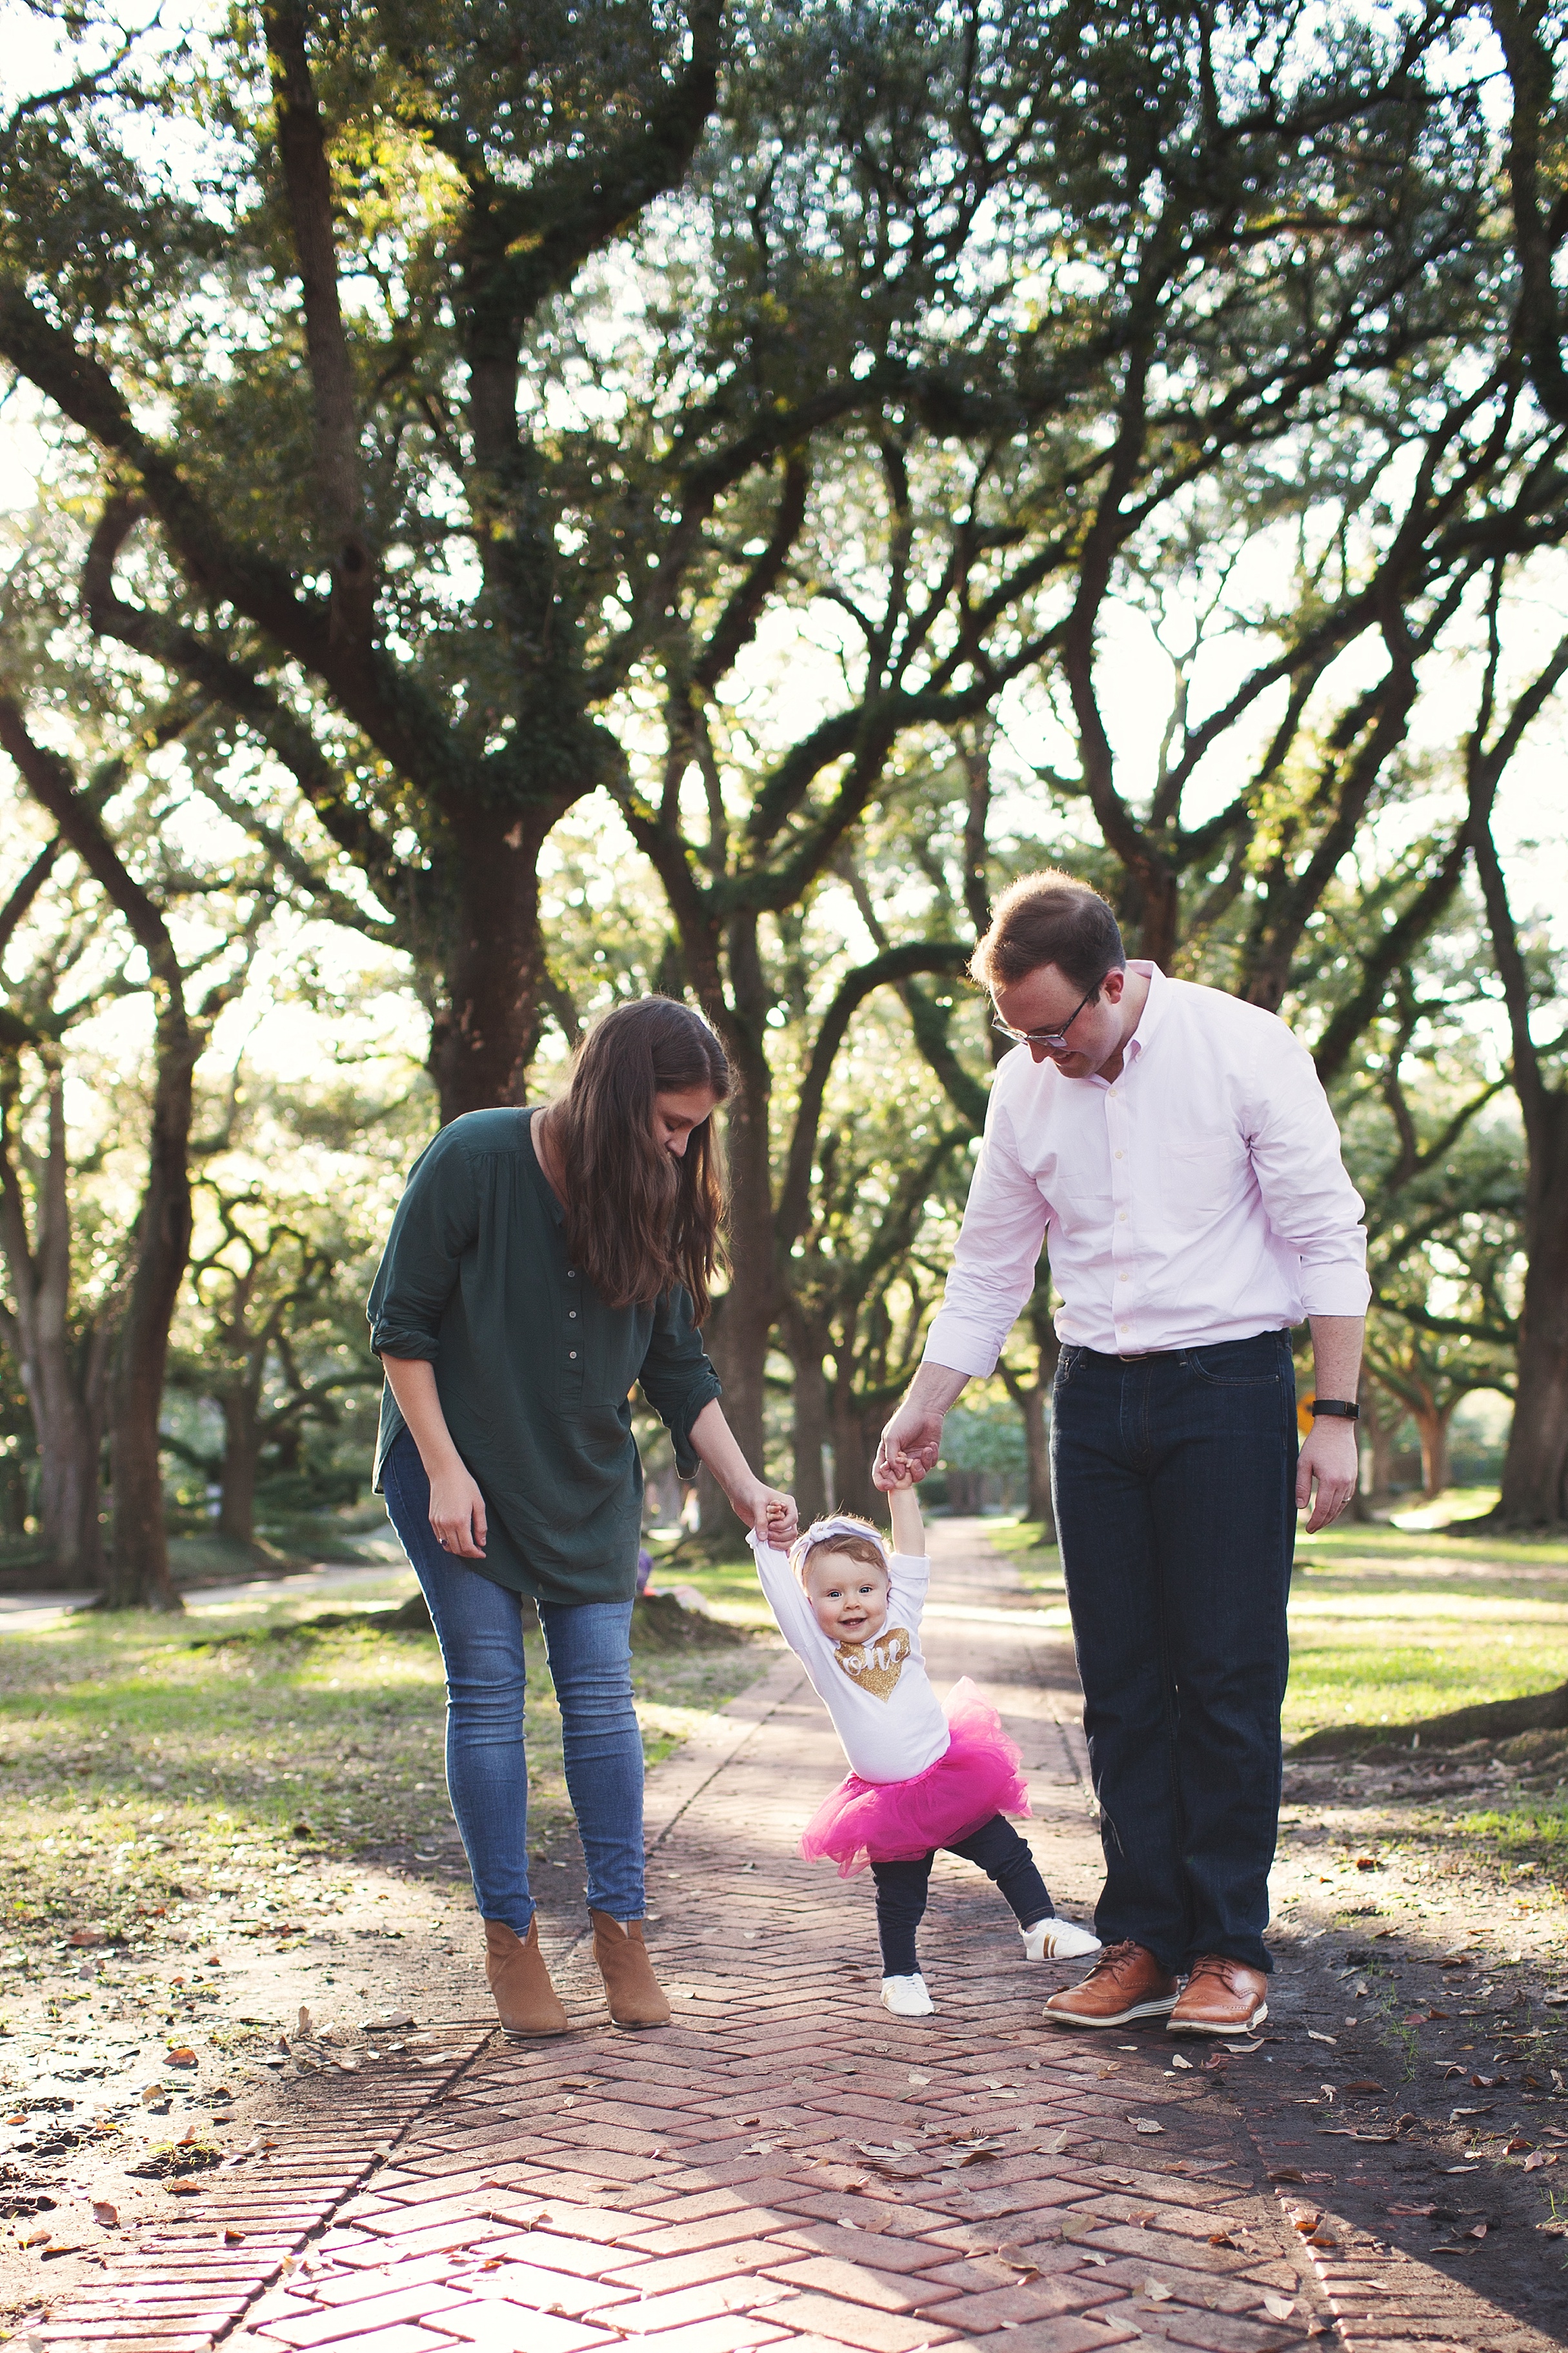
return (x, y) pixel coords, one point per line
(478, 1625)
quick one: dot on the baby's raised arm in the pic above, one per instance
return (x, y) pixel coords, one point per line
(908, 1528)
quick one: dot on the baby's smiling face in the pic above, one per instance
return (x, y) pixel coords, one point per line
(848, 1599)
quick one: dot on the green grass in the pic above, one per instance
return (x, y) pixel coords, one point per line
(728, 1584)
(1388, 1624)
(143, 1758)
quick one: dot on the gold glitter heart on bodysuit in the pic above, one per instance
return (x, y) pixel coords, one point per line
(875, 1665)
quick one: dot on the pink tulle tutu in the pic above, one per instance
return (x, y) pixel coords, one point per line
(898, 1821)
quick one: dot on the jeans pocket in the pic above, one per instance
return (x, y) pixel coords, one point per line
(1238, 1364)
(1068, 1363)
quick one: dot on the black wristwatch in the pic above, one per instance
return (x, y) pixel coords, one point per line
(1344, 1408)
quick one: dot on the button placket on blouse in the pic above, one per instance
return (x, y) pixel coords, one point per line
(572, 1318)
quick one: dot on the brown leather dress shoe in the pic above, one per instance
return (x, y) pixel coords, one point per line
(1220, 1996)
(1126, 1982)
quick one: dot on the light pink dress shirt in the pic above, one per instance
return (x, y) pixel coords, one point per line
(1199, 1197)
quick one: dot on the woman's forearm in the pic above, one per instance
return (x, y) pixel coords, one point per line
(456, 1507)
(412, 1382)
(715, 1443)
(764, 1508)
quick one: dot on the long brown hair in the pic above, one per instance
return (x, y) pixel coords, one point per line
(638, 1220)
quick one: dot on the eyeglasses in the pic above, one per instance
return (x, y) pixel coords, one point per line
(1052, 1040)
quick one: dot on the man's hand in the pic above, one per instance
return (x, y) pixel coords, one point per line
(912, 1439)
(1330, 1460)
(911, 1444)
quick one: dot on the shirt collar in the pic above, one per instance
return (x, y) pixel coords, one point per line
(1155, 1006)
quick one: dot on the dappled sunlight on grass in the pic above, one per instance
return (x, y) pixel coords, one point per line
(137, 1752)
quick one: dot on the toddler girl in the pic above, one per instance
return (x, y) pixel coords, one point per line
(924, 1775)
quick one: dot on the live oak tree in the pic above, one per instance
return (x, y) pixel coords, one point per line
(141, 1297)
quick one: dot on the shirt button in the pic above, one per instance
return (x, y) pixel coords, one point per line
(1119, 1156)
(572, 1353)
(1121, 1216)
(572, 1313)
(1121, 1278)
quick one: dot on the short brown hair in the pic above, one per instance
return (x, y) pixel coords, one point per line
(1048, 918)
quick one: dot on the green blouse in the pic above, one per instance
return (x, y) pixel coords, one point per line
(534, 1372)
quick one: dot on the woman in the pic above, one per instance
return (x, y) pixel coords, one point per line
(541, 1264)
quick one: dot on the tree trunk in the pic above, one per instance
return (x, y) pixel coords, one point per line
(139, 1575)
(1432, 1424)
(1037, 1441)
(742, 1325)
(63, 1377)
(855, 1436)
(1380, 1429)
(241, 1457)
(485, 1034)
(1535, 1470)
(812, 1423)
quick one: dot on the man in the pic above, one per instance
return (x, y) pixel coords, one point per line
(1175, 1149)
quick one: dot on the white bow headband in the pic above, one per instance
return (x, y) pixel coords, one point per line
(836, 1524)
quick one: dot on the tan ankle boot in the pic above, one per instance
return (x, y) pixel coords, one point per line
(528, 2003)
(635, 1999)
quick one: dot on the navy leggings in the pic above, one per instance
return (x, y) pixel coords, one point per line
(901, 1887)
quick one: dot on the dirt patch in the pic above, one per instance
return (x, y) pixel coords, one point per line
(1413, 2069)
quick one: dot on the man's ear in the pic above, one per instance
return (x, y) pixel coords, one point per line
(1114, 985)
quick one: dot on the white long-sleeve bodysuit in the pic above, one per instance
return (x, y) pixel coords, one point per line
(877, 1693)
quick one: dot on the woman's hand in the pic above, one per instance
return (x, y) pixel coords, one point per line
(458, 1513)
(773, 1517)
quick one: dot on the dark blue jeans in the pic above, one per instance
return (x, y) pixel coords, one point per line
(478, 1625)
(1175, 1487)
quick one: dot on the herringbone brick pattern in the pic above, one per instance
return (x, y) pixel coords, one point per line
(787, 2164)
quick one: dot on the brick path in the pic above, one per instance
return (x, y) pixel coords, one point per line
(787, 2164)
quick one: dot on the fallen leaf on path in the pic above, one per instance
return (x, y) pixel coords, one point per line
(87, 1936)
(304, 2020)
(1364, 2086)
(1541, 2156)
(1519, 2146)
(183, 2189)
(231, 2237)
(1156, 2291)
(1279, 2307)
(180, 2054)
(1145, 2125)
(1313, 2036)
(102, 2211)
(1177, 2061)
(1413, 2209)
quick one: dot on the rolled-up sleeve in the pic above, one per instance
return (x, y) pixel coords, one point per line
(997, 1252)
(437, 1221)
(1310, 1204)
(676, 1379)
